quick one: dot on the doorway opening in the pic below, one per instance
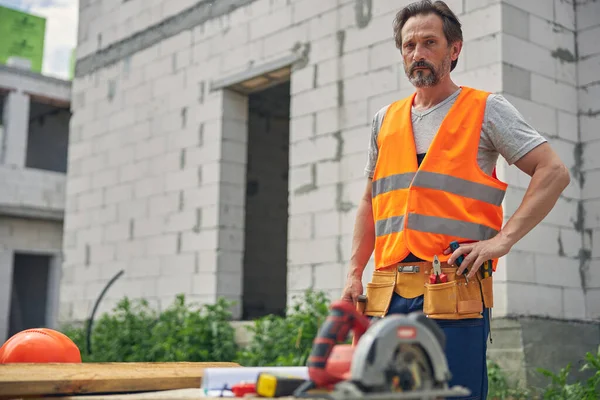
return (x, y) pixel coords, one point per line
(29, 297)
(266, 213)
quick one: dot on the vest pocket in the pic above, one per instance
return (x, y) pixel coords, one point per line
(440, 298)
(379, 296)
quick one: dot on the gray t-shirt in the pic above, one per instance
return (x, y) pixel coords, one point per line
(504, 132)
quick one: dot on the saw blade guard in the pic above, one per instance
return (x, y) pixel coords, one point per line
(395, 336)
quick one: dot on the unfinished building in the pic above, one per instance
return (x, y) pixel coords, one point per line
(218, 150)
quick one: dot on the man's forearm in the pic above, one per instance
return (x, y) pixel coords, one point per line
(547, 183)
(363, 241)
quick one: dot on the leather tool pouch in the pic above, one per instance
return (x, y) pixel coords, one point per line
(379, 293)
(457, 299)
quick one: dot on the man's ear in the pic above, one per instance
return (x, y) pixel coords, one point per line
(455, 49)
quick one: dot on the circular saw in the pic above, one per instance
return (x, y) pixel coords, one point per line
(395, 357)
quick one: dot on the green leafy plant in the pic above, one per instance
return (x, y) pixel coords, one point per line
(286, 341)
(560, 388)
(182, 332)
(499, 386)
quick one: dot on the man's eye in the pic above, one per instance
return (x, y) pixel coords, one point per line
(430, 41)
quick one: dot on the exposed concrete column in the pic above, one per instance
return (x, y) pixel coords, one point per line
(52, 305)
(6, 271)
(16, 125)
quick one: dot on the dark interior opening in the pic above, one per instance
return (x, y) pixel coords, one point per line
(48, 137)
(266, 221)
(29, 297)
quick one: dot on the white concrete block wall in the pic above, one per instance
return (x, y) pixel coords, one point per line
(153, 160)
(588, 73)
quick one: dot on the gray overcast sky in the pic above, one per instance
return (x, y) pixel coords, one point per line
(61, 31)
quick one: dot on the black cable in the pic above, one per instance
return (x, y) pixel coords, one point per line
(91, 319)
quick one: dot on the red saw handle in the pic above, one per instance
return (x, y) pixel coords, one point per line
(342, 318)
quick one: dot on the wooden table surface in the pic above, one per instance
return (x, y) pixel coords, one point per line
(35, 380)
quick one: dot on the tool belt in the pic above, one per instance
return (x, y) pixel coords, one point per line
(454, 299)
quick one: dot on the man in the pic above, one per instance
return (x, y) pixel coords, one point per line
(431, 181)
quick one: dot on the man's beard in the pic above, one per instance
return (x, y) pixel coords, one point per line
(419, 79)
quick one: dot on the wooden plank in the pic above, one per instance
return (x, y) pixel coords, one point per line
(27, 380)
(179, 394)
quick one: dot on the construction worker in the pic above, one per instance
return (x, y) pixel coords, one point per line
(431, 180)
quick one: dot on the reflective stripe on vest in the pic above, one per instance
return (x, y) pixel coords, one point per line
(421, 209)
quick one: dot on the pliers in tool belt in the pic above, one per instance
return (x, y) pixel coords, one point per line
(437, 276)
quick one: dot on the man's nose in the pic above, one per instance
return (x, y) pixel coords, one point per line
(419, 52)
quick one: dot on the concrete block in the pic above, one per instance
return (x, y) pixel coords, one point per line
(230, 285)
(181, 221)
(131, 250)
(554, 94)
(558, 271)
(303, 79)
(91, 199)
(174, 285)
(590, 191)
(383, 55)
(314, 100)
(93, 163)
(302, 178)
(302, 128)
(588, 45)
(145, 267)
(202, 196)
(482, 51)
(592, 210)
(587, 14)
(328, 72)
(151, 148)
(92, 235)
(149, 186)
(371, 84)
(564, 14)
(320, 199)
(589, 100)
(540, 60)
(299, 278)
(542, 301)
(116, 232)
(118, 194)
(180, 264)
(592, 298)
(352, 166)
(102, 253)
(328, 173)
(539, 116)
(135, 208)
(378, 30)
(327, 121)
(520, 267)
(355, 62)
(515, 21)
(105, 178)
(324, 24)
(329, 276)
(517, 81)
(541, 8)
(574, 304)
(353, 114)
(204, 283)
(307, 9)
(482, 22)
(203, 240)
(568, 126)
(485, 78)
(147, 227)
(587, 70)
(326, 224)
(590, 158)
(595, 240)
(78, 185)
(592, 275)
(542, 239)
(323, 250)
(300, 227)
(231, 239)
(270, 23)
(184, 179)
(164, 244)
(547, 34)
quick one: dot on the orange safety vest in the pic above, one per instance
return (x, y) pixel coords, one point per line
(421, 209)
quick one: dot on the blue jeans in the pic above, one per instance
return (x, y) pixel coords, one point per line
(465, 347)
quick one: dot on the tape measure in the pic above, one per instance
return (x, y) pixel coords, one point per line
(272, 385)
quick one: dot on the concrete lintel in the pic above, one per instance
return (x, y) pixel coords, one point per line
(51, 89)
(31, 213)
(201, 12)
(272, 72)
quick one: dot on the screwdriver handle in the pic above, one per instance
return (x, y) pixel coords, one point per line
(453, 246)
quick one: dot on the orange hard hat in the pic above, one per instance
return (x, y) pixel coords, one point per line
(41, 345)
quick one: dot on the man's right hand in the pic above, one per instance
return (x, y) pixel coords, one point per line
(353, 289)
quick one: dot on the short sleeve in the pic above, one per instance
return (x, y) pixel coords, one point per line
(506, 131)
(373, 150)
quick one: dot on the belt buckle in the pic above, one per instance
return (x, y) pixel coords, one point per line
(409, 269)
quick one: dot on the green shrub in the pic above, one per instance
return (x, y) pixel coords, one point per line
(286, 341)
(182, 332)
